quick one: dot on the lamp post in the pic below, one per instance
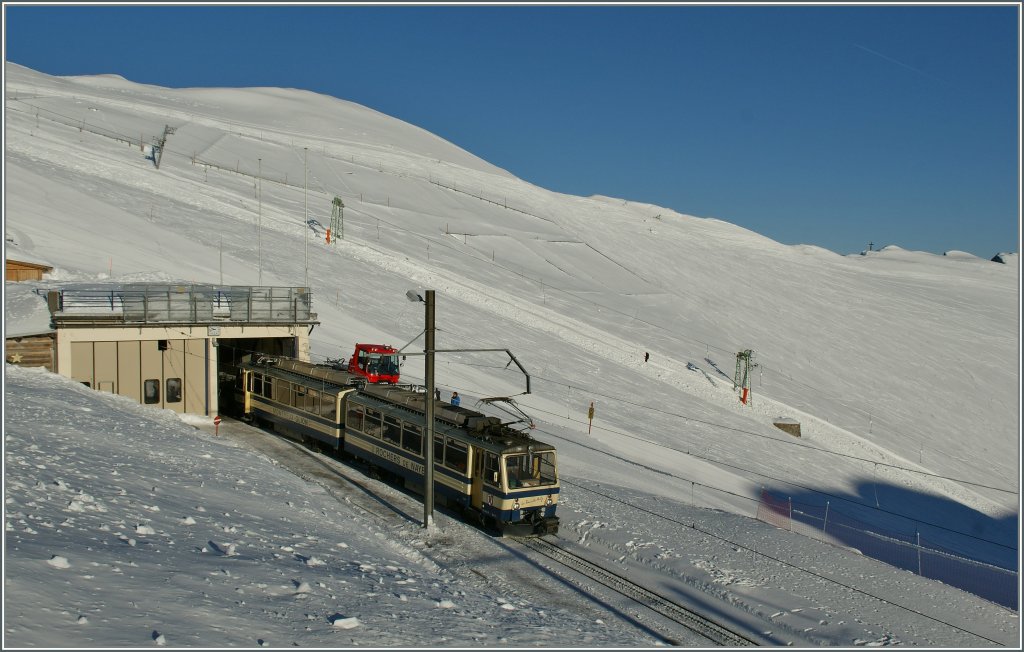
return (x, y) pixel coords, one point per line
(259, 224)
(305, 215)
(428, 371)
(428, 455)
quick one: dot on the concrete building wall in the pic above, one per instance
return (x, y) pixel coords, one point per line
(168, 366)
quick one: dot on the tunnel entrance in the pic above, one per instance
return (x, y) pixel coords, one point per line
(230, 355)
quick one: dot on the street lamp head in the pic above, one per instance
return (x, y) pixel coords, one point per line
(414, 296)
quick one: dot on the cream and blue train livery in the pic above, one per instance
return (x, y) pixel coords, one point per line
(493, 474)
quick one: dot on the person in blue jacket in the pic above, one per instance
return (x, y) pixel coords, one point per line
(455, 398)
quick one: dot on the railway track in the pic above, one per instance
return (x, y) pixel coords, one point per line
(662, 606)
(350, 488)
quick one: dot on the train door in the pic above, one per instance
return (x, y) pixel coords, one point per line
(476, 498)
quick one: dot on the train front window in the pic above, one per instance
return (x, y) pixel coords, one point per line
(530, 470)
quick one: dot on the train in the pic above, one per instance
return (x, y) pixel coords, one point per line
(492, 474)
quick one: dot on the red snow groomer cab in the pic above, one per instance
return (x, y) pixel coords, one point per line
(377, 363)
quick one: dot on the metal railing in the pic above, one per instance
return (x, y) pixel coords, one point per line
(162, 303)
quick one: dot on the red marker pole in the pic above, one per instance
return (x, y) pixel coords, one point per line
(590, 417)
(216, 425)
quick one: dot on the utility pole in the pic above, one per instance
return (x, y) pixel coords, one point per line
(428, 475)
(305, 215)
(428, 404)
(259, 224)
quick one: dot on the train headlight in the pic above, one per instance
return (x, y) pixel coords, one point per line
(549, 502)
(515, 505)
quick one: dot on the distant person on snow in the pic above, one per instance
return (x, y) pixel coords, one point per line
(455, 398)
(647, 356)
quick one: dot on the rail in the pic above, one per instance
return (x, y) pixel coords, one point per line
(687, 618)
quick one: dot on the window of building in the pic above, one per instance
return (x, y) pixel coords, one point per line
(151, 391)
(174, 390)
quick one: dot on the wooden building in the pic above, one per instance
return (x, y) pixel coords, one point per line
(21, 270)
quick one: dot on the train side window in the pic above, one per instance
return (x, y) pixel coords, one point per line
(438, 449)
(372, 426)
(492, 473)
(546, 470)
(268, 387)
(313, 401)
(392, 430)
(257, 384)
(456, 454)
(151, 393)
(174, 390)
(354, 418)
(412, 438)
(328, 405)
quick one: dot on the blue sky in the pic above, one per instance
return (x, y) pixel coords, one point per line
(828, 125)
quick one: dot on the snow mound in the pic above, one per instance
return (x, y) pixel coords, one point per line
(59, 562)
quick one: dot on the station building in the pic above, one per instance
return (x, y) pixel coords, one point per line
(171, 346)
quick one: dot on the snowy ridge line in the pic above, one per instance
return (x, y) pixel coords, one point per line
(82, 125)
(195, 160)
(503, 204)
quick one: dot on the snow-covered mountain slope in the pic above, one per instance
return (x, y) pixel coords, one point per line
(892, 360)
